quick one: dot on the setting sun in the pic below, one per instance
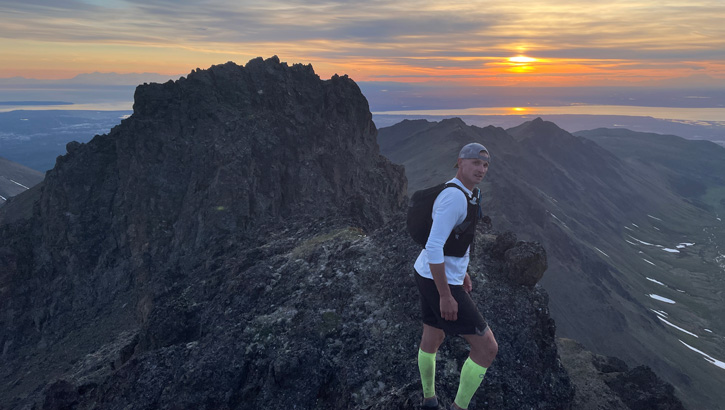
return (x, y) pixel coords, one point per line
(521, 59)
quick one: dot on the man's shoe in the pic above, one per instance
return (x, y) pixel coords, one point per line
(431, 403)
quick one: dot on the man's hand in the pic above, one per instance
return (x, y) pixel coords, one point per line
(467, 283)
(449, 308)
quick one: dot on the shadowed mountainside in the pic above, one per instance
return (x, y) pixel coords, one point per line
(693, 169)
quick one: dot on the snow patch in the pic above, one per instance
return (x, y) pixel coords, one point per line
(563, 223)
(670, 250)
(654, 217)
(602, 252)
(642, 242)
(660, 312)
(635, 225)
(708, 330)
(648, 262)
(656, 281)
(18, 183)
(656, 228)
(3, 198)
(630, 242)
(627, 227)
(678, 328)
(706, 356)
(661, 299)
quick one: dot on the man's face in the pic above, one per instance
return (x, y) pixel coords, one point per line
(472, 170)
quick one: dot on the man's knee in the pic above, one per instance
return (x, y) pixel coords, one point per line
(492, 346)
(484, 348)
(490, 343)
(432, 338)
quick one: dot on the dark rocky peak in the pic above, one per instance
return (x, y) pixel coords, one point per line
(455, 122)
(540, 130)
(545, 139)
(207, 165)
(225, 150)
(429, 150)
(405, 127)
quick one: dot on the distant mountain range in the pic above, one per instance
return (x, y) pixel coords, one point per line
(631, 223)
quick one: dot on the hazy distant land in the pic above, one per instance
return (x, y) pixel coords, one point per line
(34, 138)
(39, 117)
(35, 103)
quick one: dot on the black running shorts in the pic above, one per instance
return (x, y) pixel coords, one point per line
(469, 322)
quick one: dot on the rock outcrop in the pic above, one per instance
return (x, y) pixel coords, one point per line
(207, 165)
(607, 383)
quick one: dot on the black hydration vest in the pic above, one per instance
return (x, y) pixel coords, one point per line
(462, 235)
(420, 220)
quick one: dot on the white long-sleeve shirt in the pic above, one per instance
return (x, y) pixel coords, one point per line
(449, 210)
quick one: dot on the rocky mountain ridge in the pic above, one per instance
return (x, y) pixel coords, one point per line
(238, 243)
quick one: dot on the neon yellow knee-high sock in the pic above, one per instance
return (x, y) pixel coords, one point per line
(471, 377)
(427, 367)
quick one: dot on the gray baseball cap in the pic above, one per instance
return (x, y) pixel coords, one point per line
(474, 150)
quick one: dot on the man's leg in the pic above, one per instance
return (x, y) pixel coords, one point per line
(429, 344)
(483, 350)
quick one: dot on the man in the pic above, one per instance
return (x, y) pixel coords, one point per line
(444, 283)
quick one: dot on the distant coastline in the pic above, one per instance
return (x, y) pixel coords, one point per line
(8, 106)
(35, 103)
(714, 114)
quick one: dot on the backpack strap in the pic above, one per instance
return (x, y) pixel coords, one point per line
(454, 185)
(473, 199)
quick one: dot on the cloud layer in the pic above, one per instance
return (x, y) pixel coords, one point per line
(581, 43)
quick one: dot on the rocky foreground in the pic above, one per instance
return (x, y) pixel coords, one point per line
(238, 243)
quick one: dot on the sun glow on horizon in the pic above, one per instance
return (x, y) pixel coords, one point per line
(521, 64)
(522, 60)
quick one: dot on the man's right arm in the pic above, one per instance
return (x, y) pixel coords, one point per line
(445, 216)
(448, 305)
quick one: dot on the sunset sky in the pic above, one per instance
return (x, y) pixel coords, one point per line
(486, 43)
